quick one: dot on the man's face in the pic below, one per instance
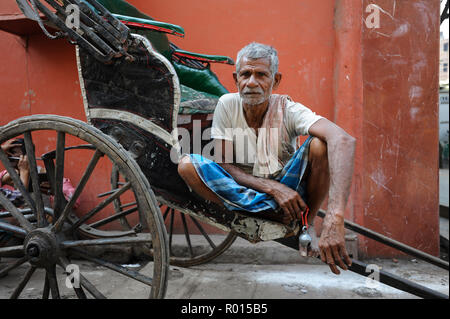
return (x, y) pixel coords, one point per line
(15, 151)
(255, 81)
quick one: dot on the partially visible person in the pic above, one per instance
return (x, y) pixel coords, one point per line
(15, 149)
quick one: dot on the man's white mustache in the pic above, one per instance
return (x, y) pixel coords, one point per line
(247, 91)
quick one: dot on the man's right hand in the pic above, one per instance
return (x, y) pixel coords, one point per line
(332, 243)
(289, 200)
(23, 165)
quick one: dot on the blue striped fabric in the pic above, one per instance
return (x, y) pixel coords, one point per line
(237, 197)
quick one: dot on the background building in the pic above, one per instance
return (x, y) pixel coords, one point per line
(443, 59)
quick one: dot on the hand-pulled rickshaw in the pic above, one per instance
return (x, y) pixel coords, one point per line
(140, 94)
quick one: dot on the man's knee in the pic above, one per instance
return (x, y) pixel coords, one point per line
(318, 151)
(185, 167)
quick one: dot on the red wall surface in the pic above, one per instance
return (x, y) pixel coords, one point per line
(378, 84)
(400, 78)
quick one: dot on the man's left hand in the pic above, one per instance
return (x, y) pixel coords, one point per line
(332, 243)
(8, 145)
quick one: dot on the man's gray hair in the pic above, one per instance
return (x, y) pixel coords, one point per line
(255, 51)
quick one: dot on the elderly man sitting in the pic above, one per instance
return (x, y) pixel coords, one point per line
(257, 166)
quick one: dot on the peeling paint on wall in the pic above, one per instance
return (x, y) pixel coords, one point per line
(400, 69)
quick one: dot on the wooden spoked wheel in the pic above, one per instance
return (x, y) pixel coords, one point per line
(200, 243)
(59, 232)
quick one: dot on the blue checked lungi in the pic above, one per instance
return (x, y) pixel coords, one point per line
(238, 197)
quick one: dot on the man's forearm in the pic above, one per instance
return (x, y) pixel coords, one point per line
(341, 151)
(25, 178)
(248, 180)
(290, 202)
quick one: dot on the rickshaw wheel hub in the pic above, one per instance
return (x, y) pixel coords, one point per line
(41, 247)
